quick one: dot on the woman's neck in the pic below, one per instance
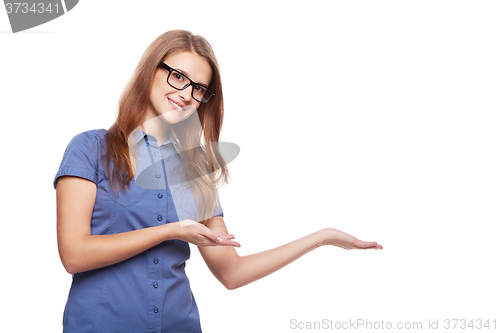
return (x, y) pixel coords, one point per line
(157, 127)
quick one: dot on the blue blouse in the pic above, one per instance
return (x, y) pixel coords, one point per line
(149, 292)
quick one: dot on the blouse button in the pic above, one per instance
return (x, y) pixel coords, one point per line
(155, 310)
(159, 218)
(160, 195)
(155, 285)
(158, 175)
(156, 261)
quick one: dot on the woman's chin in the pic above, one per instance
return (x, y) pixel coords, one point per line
(175, 116)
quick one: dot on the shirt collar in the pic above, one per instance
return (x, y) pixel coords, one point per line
(138, 134)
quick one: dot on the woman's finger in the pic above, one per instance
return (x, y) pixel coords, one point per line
(367, 245)
(226, 240)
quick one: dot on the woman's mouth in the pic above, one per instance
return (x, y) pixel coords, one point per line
(176, 106)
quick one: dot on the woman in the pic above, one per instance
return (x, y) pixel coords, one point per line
(125, 214)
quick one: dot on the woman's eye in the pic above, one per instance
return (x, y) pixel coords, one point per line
(178, 76)
(200, 89)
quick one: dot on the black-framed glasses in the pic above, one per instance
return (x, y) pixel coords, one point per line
(180, 81)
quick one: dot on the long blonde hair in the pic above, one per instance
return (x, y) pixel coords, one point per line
(204, 167)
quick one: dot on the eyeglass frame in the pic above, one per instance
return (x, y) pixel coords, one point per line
(191, 82)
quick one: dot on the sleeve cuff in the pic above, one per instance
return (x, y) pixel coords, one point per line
(77, 172)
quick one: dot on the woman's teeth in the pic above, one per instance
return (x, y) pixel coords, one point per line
(175, 104)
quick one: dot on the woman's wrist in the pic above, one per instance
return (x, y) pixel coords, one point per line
(171, 231)
(322, 237)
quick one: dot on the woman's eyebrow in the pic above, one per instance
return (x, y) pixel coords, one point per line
(182, 71)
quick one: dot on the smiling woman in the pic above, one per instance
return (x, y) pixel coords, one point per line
(126, 243)
(169, 91)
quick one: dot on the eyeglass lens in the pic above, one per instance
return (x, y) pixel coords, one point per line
(180, 81)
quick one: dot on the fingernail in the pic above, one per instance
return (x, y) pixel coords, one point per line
(219, 239)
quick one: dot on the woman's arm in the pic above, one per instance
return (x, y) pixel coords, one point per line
(81, 251)
(234, 271)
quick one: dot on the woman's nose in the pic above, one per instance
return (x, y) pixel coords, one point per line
(185, 94)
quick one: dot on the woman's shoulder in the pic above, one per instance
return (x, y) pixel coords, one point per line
(95, 134)
(90, 138)
(82, 154)
(87, 144)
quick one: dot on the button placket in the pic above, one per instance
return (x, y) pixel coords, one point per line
(155, 275)
(154, 260)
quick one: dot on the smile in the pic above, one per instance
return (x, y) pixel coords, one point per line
(177, 106)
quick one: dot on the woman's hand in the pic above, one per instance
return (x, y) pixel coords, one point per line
(341, 239)
(196, 233)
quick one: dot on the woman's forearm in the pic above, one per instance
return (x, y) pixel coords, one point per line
(87, 252)
(83, 252)
(246, 269)
(235, 271)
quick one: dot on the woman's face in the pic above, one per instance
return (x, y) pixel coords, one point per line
(177, 105)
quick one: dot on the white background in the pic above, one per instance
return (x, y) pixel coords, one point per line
(378, 118)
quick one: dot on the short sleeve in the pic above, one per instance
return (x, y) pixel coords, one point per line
(80, 158)
(218, 210)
